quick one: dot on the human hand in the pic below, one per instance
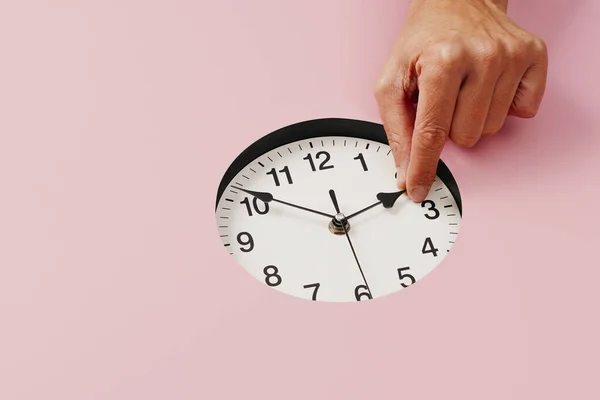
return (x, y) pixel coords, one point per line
(467, 66)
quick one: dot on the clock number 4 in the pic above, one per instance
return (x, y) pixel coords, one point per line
(362, 291)
(315, 287)
(285, 171)
(323, 165)
(428, 247)
(403, 275)
(255, 206)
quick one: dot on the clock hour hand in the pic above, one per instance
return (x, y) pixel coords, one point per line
(268, 197)
(385, 199)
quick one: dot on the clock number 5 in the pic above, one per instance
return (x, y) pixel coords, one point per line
(323, 165)
(285, 170)
(431, 207)
(403, 274)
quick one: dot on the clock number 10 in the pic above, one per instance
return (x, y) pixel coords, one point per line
(255, 206)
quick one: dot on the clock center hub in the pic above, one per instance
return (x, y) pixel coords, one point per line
(338, 223)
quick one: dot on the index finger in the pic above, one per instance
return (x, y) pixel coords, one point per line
(438, 93)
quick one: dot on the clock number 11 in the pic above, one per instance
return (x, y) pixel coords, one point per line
(285, 171)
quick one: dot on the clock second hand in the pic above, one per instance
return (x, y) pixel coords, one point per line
(343, 223)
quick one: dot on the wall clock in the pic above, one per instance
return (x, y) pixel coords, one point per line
(312, 210)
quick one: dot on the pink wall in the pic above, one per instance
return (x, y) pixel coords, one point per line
(117, 119)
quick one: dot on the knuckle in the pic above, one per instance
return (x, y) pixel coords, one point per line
(463, 140)
(526, 111)
(432, 136)
(489, 53)
(449, 55)
(387, 86)
(515, 52)
(423, 178)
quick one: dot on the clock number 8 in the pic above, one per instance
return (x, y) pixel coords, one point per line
(359, 295)
(431, 204)
(272, 277)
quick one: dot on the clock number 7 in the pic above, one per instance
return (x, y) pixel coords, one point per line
(285, 171)
(316, 287)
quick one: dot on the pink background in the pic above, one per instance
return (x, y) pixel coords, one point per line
(117, 120)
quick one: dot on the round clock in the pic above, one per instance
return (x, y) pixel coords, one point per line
(313, 210)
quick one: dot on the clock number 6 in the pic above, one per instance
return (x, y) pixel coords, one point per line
(316, 287)
(431, 204)
(402, 274)
(272, 277)
(323, 165)
(359, 295)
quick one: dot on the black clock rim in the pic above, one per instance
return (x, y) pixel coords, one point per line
(311, 129)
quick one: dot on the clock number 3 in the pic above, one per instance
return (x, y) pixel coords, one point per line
(323, 165)
(285, 170)
(403, 275)
(431, 207)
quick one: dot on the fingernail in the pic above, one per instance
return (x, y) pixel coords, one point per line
(401, 178)
(419, 194)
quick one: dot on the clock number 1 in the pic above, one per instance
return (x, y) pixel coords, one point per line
(362, 161)
(285, 171)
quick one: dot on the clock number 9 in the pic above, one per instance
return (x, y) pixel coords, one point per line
(431, 207)
(365, 293)
(245, 239)
(402, 274)
(255, 203)
(323, 165)
(272, 277)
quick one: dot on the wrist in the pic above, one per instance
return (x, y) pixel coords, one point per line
(502, 4)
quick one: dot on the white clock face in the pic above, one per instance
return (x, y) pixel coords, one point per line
(277, 217)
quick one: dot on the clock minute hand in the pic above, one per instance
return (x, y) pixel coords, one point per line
(385, 199)
(268, 197)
